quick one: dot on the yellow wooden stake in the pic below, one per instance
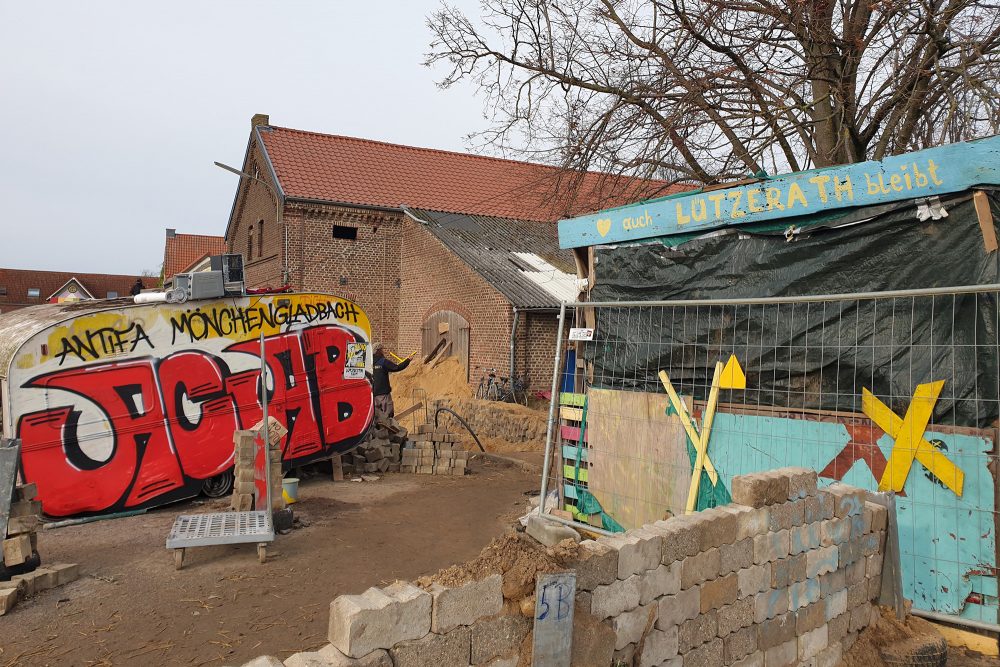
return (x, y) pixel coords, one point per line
(701, 445)
(910, 443)
(681, 411)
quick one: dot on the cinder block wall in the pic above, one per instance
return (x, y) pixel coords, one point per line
(783, 576)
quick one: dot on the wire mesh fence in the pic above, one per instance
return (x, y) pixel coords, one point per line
(894, 391)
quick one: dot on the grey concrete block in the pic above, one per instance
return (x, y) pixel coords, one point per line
(759, 489)
(753, 523)
(659, 647)
(701, 567)
(675, 609)
(836, 604)
(787, 571)
(629, 626)
(613, 599)
(706, 655)
(718, 592)
(718, 528)
(802, 593)
(803, 538)
(812, 643)
(822, 561)
(782, 655)
(786, 515)
(379, 618)
(681, 536)
(596, 564)
(739, 645)
(770, 604)
(735, 616)
(754, 579)
(736, 556)
(770, 547)
(465, 604)
(834, 531)
(818, 508)
(848, 500)
(695, 632)
(549, 532)
(453, 648)
(664, 580)
(498, 636)
(801, 482)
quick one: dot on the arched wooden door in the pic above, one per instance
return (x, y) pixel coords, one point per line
(448, 331)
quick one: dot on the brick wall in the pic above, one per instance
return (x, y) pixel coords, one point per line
(365, 270)
(255, 205)
(536, 348)
(786, 578)
(434, 279)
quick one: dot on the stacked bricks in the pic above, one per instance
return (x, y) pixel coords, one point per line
(434, 453)
(382, 452)
(21, 539)
(402, 625)
(21, 586)
(245, 453)
(19, 545)
(784, 577)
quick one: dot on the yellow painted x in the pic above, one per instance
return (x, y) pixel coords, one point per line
(910, 443)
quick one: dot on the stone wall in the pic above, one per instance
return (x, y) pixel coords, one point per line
(783, 576)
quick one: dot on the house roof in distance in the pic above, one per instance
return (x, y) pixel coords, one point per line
(347, 170)
(521, 259)
(15, 283)
(183, 250)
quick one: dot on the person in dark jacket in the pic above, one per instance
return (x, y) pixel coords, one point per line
(381, 387)
(137, 288)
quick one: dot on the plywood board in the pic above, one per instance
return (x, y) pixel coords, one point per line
(639, 465)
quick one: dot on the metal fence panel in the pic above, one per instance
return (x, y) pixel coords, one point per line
(888, 391)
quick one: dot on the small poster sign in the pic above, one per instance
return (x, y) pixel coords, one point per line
(354, 365)
(581, 334)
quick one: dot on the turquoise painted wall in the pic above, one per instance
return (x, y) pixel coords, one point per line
(945, 541)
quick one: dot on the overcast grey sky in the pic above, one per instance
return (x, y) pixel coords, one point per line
(112, 112)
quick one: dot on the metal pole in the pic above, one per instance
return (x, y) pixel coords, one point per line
(265, 433)
(860, 296)
(550, 429)
(955, 620)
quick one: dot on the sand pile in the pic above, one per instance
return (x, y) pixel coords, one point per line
(446, 380)
(515, 556)
(887, 630)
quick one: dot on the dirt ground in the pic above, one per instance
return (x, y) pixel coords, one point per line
(131, 607)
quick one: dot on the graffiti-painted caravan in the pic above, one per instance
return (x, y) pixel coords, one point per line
(122, 406)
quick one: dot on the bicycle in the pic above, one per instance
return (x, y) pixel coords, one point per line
(494, 388)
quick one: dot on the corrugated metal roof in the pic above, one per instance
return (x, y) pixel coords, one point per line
(520, 258)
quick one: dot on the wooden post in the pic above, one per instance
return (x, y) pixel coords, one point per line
(338, 468)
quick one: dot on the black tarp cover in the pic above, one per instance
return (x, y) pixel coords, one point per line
(818, 355)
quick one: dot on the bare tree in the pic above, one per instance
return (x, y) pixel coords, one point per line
(710, 90)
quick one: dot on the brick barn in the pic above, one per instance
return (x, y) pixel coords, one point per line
(419, 237)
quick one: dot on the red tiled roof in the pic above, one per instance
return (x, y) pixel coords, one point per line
(360, 171)
(183, 250)
(17, 282)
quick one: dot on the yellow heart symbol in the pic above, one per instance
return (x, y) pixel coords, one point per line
(603, 226)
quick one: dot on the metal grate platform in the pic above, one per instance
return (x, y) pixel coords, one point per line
(199, 530)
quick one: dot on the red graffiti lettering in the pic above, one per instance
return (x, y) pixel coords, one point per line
(149, 431)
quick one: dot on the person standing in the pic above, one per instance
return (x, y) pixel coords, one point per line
(381, 388)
